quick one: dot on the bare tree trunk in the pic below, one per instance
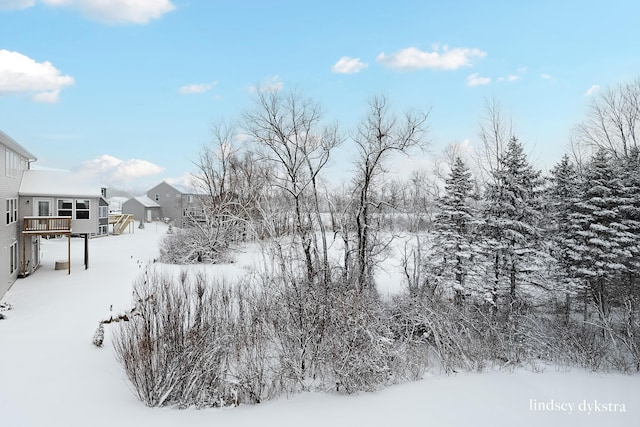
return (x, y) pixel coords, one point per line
(379, 135)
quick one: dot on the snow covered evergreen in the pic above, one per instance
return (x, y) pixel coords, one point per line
(455, 249)
(512, 229)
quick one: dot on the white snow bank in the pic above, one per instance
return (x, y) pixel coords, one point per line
(51, 375)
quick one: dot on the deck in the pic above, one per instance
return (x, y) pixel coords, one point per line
(50, 225)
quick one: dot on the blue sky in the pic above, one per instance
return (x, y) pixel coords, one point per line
(128, 89)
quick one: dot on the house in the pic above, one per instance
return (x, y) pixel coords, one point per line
(58, 203)
(17, 160)
(175, 202)
(143, 208)
(42, 203)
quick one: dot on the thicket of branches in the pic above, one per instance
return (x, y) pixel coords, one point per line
(507, 267)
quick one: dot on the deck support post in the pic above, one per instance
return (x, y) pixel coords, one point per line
(24, 256)
(86, 251)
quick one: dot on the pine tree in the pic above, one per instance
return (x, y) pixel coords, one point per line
(599, 249)
(454, 244)
(563, 193)
(512, 224)
(630, 219)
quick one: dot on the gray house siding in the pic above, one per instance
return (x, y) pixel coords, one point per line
(135, 208)
(178, 204)
(15, 161)
(142, 209)
(103, 217)
(170, 198)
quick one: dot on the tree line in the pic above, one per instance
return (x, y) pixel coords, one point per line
(505, 265)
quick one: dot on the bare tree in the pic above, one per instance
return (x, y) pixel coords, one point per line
(289, 130)
(613, 120)
(495, 133)
(378, 136)
(229, 187)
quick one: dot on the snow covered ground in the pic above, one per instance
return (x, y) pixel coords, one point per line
(51, 374)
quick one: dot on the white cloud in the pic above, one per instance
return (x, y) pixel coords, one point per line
(113, 171)
(443, 58)
(20, 74)
(348, 65)
(50, 97)
(593, 89)
(16, 4)
(475, 80)
(545, 76)
(513, 77)
(196, 88)
(270, 84)
(108, 11)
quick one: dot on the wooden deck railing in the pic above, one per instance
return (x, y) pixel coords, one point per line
(120, 222)
(46, 225)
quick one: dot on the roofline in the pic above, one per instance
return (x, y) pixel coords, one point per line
(11, 143)
(59, 195)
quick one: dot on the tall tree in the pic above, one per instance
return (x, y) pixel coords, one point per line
(454, 227)
(512, 223)
(598, 249)
(630, 222)
(378, 136)
(612, 121)
(563, 192)
(288, 128)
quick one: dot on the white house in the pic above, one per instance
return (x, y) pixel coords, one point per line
(40, 203)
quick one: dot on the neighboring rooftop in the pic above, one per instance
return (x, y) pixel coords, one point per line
(147, 202)
(58, 184)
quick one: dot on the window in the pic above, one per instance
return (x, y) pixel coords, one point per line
(65, 207)
(13, 262)
(83, 209)
(103, 211)
(11, 163)
(102, 230)
(12, 211)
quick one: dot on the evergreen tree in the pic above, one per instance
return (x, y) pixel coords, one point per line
(512, 224)
(630, 220)
(454, 225)
(563, 193)
(599, 249)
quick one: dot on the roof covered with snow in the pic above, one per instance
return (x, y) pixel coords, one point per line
(47, 183)
(146, 202)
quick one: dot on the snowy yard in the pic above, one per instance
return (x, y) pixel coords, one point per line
(51, 374)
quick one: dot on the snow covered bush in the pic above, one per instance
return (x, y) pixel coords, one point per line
(176, 352)
(190, 246)
(4, 306)
(360, 343)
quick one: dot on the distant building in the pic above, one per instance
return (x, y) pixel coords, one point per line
(167, 201)
(143, 209)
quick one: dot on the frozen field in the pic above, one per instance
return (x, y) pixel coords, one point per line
(51, 374)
